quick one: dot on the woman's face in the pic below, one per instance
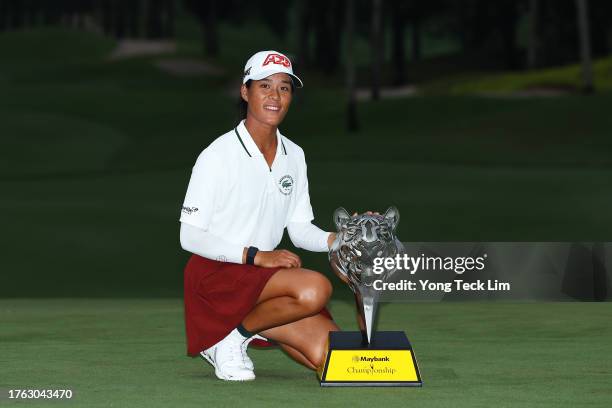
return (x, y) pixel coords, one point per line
(268, 99)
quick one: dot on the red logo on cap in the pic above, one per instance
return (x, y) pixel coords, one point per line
(277, 59)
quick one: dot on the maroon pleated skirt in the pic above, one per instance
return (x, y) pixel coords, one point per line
(218, 296)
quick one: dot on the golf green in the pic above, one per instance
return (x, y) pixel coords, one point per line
(131, 353)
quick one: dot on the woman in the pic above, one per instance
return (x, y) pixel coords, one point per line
(245, 188)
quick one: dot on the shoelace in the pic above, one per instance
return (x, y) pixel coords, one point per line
(245, 345)
(232, 352)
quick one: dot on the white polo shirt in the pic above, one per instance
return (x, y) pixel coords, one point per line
(233, 194)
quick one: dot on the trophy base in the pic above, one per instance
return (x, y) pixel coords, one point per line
(388, 361)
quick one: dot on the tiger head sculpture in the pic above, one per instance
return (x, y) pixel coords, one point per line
(361, 239)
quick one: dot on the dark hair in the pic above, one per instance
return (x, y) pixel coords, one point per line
(243, 105)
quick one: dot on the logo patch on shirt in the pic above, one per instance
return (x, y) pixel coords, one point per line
(190, 210)
(285, 184)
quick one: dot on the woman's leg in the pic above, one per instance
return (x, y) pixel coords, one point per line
(297, 356)
(289, 295)
(304, 340)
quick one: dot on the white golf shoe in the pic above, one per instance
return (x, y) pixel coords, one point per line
(227, 357)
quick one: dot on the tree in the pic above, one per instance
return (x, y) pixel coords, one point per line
(3, 15)
(376, 48)
(484, 28)
(557, 32)
(132, 17)
(585, 45)
(416, 13)
(154, 27)
(351, 111)
(206, 12)
(17, 17)
(398, 55)
(532, 38)
(304, 17)
(120, 25)
(507, 21)
(169, 18)
(275, 16)
(600, 23)
(416, 36)
(328, 33)
(106, 11)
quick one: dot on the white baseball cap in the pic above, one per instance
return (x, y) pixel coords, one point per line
(265, 63)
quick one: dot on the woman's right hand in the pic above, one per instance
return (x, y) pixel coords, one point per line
(277, 258)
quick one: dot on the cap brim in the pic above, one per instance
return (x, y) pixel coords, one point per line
(297, 82)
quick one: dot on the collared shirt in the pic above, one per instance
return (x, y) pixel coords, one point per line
(234, 194)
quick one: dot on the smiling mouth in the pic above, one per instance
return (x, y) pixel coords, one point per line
(272, 108)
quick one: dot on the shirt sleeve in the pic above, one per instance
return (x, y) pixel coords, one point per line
(203, 243)
(199, 203)
(302, 212)
(308, 236)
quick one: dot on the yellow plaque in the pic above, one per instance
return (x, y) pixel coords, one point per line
(387, 361)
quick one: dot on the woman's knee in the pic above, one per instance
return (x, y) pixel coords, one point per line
(315, 293)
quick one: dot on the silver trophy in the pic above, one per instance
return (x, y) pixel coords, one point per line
(361, 239)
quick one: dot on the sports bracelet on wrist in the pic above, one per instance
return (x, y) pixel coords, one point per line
(250, 256)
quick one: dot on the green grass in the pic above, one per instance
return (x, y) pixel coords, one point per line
(132, 353)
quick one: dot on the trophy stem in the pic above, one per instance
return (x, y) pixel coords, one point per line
(366, 301)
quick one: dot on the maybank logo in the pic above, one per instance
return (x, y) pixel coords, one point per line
(356, 358)
(372, 359)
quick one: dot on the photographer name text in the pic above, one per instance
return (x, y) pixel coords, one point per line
(446, 287)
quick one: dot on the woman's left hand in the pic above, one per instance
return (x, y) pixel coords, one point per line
(367, 213)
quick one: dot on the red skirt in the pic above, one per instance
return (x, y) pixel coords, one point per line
(218, 296)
